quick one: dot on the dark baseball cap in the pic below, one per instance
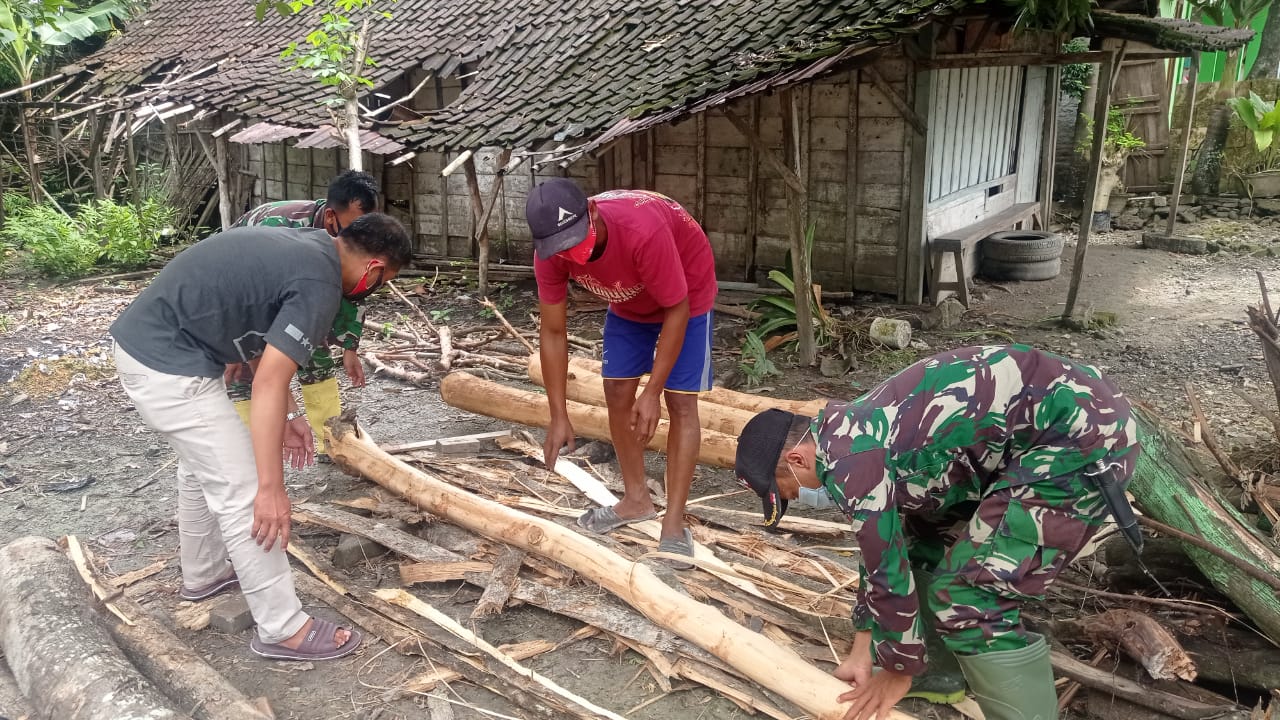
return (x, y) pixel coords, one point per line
(557, 214)
(759, 447)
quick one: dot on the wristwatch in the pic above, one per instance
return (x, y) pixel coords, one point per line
(294, 415)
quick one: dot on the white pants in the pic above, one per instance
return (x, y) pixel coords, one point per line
(217, 484)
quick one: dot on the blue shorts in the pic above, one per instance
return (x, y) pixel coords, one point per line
(629, 347)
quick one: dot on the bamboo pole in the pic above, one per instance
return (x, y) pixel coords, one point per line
(774, 667)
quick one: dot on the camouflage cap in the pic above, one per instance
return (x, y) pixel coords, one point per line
(759, 447)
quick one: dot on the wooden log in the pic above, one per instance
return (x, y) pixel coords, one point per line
(414, 573)
(505, 576)
(170, 663)
(1144, 640)
(588, 388)
(1169, 485)
(13, 704)
(468, 392)
(755, 656)
(62, 657)
(723, 396)
(1167, 703)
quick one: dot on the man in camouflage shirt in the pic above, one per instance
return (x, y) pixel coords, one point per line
(350, 195)
(974, 465)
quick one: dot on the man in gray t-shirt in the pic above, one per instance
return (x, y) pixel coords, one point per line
(265, 296)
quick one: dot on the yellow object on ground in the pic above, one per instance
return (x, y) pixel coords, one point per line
(321, 403)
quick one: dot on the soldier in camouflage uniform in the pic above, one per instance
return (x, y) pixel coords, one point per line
(974, 465)
(350, 195)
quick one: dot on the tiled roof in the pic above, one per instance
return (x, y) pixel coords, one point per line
(591, 65)
(538, 70)
(574, 71)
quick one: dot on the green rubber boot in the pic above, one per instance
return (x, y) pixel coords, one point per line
(1013, 684)
(942, 683)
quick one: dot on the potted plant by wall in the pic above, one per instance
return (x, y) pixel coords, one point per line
(1119, 145)
(1260, 172)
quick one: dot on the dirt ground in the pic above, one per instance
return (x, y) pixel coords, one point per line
(76, 459)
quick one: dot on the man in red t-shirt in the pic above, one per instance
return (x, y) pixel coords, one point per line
(645, 255)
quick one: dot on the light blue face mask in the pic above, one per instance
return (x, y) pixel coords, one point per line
(817, 498)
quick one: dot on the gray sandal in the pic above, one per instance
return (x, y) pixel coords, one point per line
(681, 546)
(318, 644)
(603, 519)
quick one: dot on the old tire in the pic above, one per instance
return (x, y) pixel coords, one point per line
(1006, 270)
(1022, 246)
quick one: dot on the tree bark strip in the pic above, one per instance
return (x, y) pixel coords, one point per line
(58, 648)
(757, 657)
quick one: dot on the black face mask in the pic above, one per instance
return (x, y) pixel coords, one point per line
(364, 288)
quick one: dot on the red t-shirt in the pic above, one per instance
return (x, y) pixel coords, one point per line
(656, 256)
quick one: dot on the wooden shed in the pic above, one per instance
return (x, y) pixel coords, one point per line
(882, 125)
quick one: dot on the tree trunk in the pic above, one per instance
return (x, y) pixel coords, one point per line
(755, 656)
(721, 396)
(468, 392)
(1267, 64)
(1208, 174)
(61, 655)
(588, 388)
(1168, 485)
(29, 145)
(351, 111)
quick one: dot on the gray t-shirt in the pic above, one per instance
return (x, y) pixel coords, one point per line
(224, 299)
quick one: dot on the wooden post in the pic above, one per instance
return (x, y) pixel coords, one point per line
(1181, 171)
(916, 167)
(796, 199)
(1104, 83)
(700, 170)
(1047, 145)
(852, 199)
(482, 229)
(476, 202)
(95, 155)
(753, 193)
(284, 173)
(131, 166)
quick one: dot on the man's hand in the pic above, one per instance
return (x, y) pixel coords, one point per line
(355, 371)
(237, 372)
(271, 517)
(299, 444)
(877, 696)
(856, 669)
(559, 434)
(644, 416)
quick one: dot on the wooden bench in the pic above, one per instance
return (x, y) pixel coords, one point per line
(966, 238)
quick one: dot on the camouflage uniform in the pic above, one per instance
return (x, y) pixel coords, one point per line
(971, 464)
(347, 326)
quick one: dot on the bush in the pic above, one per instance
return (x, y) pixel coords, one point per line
(56, 244)
(126, 234)
(59, 245)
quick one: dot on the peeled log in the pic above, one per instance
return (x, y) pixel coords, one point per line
(1144, 640)
(755, 656)
(1168, 485)
(724, 396)
(468, 392)
(891, 332)
(60, 654)
(588, 388)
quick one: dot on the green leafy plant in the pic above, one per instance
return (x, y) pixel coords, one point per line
(1069, 17)
(55, 242)
(778, 311)
(1262, 117)
(1120, 139)
(440, 316)
(1076, 77)
(755, 364)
